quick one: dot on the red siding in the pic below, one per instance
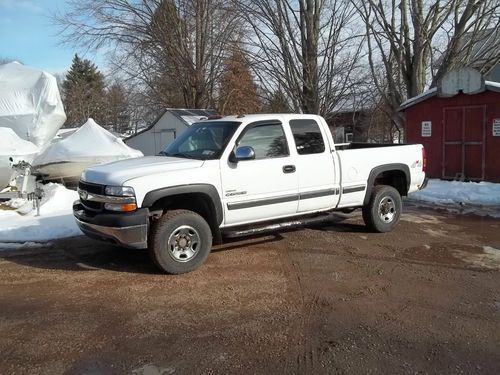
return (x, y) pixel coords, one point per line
(447, 116)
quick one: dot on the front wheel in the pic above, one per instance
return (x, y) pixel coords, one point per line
(383, 211)
(180, 241)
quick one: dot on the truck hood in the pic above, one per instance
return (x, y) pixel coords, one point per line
(118, 172)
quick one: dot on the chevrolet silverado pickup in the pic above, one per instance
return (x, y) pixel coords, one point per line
(239, 171)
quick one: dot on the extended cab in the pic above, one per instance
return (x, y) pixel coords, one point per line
(226, 173)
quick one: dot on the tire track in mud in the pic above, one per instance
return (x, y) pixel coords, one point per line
(304, 358)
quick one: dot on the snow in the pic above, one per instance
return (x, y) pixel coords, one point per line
(419, 97)
(23, 245)
(55, 220)
(477, 197)
(492, 84)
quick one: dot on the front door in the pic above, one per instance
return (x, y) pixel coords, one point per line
(263, 188)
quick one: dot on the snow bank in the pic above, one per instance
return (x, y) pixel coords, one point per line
(456, 192)
(23, 245)
(481, 198)
(55, 220)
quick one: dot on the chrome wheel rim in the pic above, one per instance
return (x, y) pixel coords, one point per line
(387, 210)
(184, 243)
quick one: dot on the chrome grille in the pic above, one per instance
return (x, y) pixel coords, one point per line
(93, 189)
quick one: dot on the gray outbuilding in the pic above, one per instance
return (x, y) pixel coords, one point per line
(165, 129)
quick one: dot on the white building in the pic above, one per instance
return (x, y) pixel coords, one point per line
(165, 129)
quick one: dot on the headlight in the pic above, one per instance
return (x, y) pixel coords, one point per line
(119, 198)
(120, 191)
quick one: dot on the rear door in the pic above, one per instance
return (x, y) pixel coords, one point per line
(264, 188)
(315, 166)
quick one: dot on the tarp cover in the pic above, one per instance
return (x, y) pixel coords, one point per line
(11, 146)
(90, 143)
(30, 103)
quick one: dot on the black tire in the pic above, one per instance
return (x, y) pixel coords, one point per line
(383, 211)
(179, 241)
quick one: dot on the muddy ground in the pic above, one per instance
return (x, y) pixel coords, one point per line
(324, 299)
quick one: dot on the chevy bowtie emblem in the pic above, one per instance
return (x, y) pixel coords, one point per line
(83, 194)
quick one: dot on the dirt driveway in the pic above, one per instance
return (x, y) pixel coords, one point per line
(324, 299)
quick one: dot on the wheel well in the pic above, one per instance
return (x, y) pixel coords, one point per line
(196, 202)
(394, 178)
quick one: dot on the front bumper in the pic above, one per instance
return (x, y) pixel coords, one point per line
(127, 229)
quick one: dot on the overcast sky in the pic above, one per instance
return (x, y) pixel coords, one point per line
(27, 34)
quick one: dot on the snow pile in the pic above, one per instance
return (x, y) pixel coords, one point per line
(472, 197)
(55, 220)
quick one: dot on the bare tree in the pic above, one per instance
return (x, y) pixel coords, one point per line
(403, 40)
(178, 45)
(307, 48)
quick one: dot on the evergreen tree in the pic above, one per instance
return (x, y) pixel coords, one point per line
(83, 93)
(238, 92)
(277, 102)
(117, 109)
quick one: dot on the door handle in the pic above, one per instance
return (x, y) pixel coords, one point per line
(288, 168)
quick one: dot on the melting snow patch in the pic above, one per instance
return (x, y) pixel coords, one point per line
(16, 245)
(55, 220)
(481, 198)
(490, 259)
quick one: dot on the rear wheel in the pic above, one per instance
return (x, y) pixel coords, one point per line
(180, 241)
(383, 210)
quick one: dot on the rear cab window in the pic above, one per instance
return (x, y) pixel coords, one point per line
(307, 136)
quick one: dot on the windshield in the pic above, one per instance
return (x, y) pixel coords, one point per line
(202, 140)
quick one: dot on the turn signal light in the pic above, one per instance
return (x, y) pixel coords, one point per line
(121, 207)
(129, 207)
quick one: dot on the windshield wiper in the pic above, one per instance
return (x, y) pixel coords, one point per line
(180, 155)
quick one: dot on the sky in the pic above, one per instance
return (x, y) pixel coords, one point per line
(27, 34)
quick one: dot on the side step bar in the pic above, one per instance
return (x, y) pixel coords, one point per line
(243, 231)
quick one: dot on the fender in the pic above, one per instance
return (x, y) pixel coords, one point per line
(209, 190)
(385, 168)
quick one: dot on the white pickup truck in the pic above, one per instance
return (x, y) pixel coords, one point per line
(225, 173)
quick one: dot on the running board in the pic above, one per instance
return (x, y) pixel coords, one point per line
(244, 231)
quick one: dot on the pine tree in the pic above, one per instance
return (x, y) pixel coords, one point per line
(238, 92)
(277, 103)
(117, 109)
(83, 93)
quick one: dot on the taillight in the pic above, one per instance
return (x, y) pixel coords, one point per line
(424, 159)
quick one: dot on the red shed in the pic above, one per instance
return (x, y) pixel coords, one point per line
(459, 124)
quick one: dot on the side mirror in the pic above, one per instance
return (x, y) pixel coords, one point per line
(242, 153)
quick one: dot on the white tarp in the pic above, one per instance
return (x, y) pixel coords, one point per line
(90, 143)
(11, 146)
(30, 103)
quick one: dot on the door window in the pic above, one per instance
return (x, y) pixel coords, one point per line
(307, 136)
(267, 140)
